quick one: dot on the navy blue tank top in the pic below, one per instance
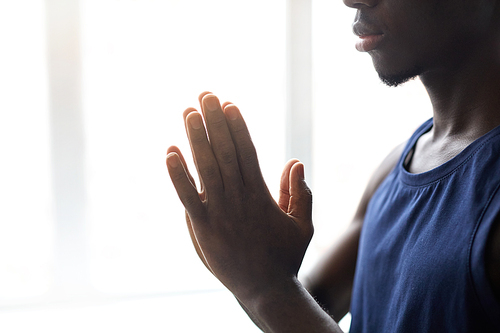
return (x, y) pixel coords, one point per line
(421, 265)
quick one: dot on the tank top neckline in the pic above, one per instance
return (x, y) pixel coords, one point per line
(444, 170)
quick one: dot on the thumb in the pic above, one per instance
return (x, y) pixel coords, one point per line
(284, 198)
(300, 206)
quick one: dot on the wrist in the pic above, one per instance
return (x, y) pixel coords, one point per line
(258, 294)
(288, 307)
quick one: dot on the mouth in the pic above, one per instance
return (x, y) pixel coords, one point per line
(369, 37)
(368, 43)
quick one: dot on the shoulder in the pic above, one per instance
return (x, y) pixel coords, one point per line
(493, 257)
(378, 176)
(387, 165)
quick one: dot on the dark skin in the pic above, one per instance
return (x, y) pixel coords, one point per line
(462, 83)
(252, 244)
(255, 245)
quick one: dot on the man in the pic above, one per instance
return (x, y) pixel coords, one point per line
(428, 225)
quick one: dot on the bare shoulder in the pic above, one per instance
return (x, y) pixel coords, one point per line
(387, 165)
(493, 258)
(390, 161)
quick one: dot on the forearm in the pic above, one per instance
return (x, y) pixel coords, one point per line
(330, 283)
(290, 308)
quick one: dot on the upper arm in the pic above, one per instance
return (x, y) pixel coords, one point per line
(331, 280)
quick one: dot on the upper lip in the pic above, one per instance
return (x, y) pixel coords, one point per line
(363, 30)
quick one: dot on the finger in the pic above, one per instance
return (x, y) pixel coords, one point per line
(204, 158)
(300, 206)
(186, 113)
(174, 149)
(225, 104)
(284, 196)
(222, 143)
(196, 245)
(245, 150)
(200, 97)
(184, 116)
(185, 190)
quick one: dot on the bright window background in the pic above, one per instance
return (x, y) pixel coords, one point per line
(26, 229)
(143, 63)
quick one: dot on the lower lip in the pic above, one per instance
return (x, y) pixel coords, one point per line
(368, 43)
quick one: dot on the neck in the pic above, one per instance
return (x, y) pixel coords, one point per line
(466, 95)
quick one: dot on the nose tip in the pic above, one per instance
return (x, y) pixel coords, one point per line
(360, 3)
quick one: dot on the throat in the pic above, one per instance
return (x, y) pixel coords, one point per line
(427, 154)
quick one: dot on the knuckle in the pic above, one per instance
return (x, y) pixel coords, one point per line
(217, 122)
(189, 201)
(178, 176)
(284, 192)
(247, 154)
(210, 172)
(239, 129)
(197, 139)
(226, 155)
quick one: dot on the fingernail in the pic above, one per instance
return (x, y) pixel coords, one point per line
(232, 113)
(195, 121)
(211, 103)
(301, 172)
(172, 160)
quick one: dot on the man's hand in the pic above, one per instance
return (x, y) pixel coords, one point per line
(248, 241)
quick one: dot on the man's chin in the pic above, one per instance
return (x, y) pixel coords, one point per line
(394, 80)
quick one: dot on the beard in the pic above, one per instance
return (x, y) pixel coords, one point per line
(394, 80)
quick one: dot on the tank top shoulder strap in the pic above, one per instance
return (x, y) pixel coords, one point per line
(410, 145)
